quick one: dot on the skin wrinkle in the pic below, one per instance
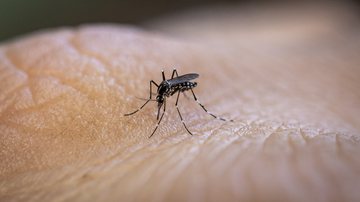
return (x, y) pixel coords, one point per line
(11, 53)
(270, 139)
(326, 183)
(282, 65)
(238, 154)
(65, 178)
(269, 156)
(90, 52)
(182, 168)
(138, 152)
(233, 171)
(79, 90)
(57, 76)
(250, 183)
(65, 80)
(8, 108)
(346, 158)
(218, 152)
(335, 176)
(350, 158)
(45, 105)
(11, 94)
(73, 43)
(163, 186)
(9, 62)
(10, 90)
(294, 173)
(154, 168)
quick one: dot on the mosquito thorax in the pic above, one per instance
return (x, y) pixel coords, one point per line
(163, 88)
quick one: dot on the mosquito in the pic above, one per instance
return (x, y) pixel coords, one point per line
(169, 87)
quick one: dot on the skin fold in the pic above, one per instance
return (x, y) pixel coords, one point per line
(291, 88)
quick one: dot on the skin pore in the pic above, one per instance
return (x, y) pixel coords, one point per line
(291, 89)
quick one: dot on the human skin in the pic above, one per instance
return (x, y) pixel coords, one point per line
(294, 99)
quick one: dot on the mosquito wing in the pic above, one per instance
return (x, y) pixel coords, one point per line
(183, 78)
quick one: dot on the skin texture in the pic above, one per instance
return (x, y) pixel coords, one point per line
(293, 94)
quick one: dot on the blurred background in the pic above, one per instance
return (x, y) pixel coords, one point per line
(22, 16)
(18, 17)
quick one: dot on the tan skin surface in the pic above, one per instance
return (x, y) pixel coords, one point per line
(295, 137)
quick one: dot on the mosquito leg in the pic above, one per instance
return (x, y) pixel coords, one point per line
(151, 82)
(173, 73)
(176, 104)
(157, 125)
(202, 106)
(163, 75)
(157, 117)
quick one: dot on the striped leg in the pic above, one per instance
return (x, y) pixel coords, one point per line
(174, 72)
(151, 82)
(157, 125)
(202, 106)
(176, 104)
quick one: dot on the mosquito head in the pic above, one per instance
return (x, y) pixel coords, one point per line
(160, 100)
